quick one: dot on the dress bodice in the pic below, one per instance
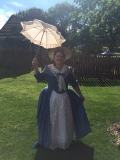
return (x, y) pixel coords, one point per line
(52, 75)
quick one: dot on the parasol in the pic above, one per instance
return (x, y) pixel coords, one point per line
(42, 34)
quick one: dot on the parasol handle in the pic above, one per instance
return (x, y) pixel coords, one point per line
(36, 56)
(32, 68)
(39, 48)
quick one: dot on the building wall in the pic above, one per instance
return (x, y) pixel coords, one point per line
(11, 29)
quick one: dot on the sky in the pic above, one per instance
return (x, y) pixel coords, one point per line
(9, 7)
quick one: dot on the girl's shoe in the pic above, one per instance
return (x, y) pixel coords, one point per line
(36, 145)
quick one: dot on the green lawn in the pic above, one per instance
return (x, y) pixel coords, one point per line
(18, 131)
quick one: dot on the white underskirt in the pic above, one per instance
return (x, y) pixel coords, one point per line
(61, 121)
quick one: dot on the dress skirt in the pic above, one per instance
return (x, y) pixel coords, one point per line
(59, 116)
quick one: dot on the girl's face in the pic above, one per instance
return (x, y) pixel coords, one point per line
(59, 58)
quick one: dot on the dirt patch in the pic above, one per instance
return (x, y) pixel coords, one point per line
(115, 128)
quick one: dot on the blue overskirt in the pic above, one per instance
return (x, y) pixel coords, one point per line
(81, 123)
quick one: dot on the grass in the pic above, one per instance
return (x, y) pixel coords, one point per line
(18, 131)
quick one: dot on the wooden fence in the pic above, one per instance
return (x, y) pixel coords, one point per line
(88, 65)
(96, 66)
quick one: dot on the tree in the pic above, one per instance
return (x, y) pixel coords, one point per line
(102, 20)
(31, 14)
(60, 16)
(109, 24)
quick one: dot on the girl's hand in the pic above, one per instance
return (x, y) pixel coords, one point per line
(82, 98)
(35, 62)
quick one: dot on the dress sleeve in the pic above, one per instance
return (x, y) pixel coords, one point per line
(73, 81)
(41, 77)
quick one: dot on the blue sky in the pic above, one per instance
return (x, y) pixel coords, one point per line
(9, 7)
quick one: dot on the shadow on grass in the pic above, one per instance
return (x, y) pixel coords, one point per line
(83, 81)
(103, 82)
(12, 73)
(76, 151)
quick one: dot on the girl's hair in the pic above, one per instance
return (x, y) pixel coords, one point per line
(56, 53)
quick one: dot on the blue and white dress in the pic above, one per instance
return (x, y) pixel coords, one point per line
(60, 111)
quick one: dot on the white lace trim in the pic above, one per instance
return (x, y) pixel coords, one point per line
(60, 76)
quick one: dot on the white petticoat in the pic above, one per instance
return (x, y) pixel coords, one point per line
(61, 121)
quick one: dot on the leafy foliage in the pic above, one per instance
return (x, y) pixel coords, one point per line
(60, 16)
(31, 14)
(102, 18)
